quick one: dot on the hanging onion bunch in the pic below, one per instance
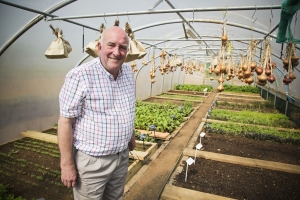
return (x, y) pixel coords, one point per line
(133, 66)
(250, 65)
(221, 68)
(290, 62)
(152, 70)
(162, 56)
(267, 67)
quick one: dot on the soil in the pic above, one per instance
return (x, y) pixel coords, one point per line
(239, 100)
(21, 180)
(241, 182)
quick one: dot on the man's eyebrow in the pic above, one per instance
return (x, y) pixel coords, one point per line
(121, 45)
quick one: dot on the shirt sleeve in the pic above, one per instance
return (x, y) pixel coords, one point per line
(72, 95)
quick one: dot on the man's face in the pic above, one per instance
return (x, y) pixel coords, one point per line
(113, 50)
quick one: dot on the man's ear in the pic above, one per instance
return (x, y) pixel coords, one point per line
(99, 46)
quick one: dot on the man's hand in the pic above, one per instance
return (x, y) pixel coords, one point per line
(132, 144)
(68, 175)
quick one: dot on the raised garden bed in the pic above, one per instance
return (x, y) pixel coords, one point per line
(265, 107)
(237, 181)
(277, 179)
(188, 92)
(251, 117)
(181, 97)
(169, 101)
(30, 168)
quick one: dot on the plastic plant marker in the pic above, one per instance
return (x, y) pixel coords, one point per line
(202, 134)
(198, 147)
(189, 161)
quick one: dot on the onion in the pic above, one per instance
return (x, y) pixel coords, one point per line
(247, 73)
(295, 57)
(259, 70)
(285, 62)
(223, 68)
(292, 76)
(220, 88)
(220, 80)
(249, 80)
(217, 70)
(287, 80)
(211, 78)
(271, 78)
(240, 75)
(253, 65)
(262, 83)
(268, 71)
(244, 67)
(273, 65)
(224, 38)
(262, 77)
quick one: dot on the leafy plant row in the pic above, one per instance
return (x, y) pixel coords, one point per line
(184, 97)
(39, 146)
(267, 106)
(165, 117)
(241, 89)
(255, 132)
(5, 195)
(19, 162)
(257, 118)
(193, 87)
(32, 141)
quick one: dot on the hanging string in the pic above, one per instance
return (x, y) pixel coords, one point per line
(281, 51)
(295, 23)
(193, 15)
(128, 17)
(254, 12)
(83, 39)
(58, 23)
(272, 11)
(104, 19)
(225, 12)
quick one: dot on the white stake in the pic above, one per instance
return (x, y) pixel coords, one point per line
(198, 147)
(202, 134)
(188, 162)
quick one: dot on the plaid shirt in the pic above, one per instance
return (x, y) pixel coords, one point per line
(103, 108)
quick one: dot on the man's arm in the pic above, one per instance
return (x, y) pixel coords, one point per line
(65, 143)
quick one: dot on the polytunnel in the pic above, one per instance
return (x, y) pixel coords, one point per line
(190, 34)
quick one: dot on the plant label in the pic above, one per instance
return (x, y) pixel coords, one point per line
(199, 146)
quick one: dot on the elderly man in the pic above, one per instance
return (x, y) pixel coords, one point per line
(96, 123)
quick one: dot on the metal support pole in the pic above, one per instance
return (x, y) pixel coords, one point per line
(202, 39)
(35, 21)
(170, 11)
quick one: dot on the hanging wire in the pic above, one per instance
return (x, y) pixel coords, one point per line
(295, 22)
(128, 17)
(281, 50)
(104, 19)
(193, 15)
(83, 39)
(254, 12)
(272, 11)
(57, 23)
(225, 12)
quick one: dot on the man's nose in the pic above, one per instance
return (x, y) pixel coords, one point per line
(116, 51)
